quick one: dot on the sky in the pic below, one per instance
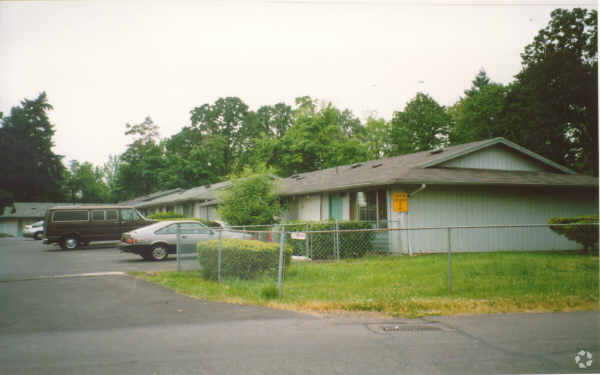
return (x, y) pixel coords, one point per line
(104, 64)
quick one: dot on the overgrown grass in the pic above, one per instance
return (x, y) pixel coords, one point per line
(415, 286)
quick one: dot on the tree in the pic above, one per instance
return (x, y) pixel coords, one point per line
(422, 125)
(377, 138)
(30, 170)
(110, 170)
(317, 140)
(275, 120)
(190, 160)
(480, 114)
(252, 199)
(480, 81)
(555, 98)
(85, 183)
(227, 123)
(141, 163)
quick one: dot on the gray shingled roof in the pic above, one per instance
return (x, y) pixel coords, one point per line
(419, 168)
(150, 197)
(200, 193)
(24, 210)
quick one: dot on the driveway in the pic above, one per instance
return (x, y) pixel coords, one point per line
(122, 325)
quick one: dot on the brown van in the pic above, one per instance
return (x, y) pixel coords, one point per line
(72, 226)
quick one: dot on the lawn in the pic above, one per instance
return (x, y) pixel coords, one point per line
(415, 286)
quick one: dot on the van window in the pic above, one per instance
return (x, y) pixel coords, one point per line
(128, 214)
(111, 215)
(74, 215)
(97, 215)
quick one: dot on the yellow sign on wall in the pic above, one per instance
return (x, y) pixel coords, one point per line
(400, 202)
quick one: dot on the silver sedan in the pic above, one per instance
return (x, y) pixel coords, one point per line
(157, 241)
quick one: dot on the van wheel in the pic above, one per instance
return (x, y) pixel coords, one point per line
(159, 252)
(69, 243)
(39, 235)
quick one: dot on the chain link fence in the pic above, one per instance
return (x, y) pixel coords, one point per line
(333, 241)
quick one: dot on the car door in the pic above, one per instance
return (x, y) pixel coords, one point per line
(191, 234)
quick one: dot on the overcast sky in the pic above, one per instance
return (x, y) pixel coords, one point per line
(107, 63)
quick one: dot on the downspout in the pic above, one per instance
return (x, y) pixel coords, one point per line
(421, 188)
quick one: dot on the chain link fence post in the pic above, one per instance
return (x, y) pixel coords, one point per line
(281, 246)
(306, 231)
(337, 239)
(310, 245)
(178, 248)
(219, 256)
(449, 261)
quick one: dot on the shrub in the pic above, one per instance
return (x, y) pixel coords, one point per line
(243, 259)
(352, 244)
(171, 215)
(5, 235)
(586, 235)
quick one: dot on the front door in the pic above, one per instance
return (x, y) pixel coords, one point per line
(335, 207)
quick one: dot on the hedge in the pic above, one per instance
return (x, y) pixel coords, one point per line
(352, 244)
(170, 215)
(244, 259)
(586, 235)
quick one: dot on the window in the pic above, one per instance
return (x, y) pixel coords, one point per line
(171, 229)
(185, 228)
(74, 215)
(128, 214)
(111, 215)
(368, 205)
(191, 228)
(98, 215)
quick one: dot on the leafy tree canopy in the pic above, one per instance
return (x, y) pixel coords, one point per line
(30, 170)
(85, 184)
(555, 97)
(141, 163)
(319, 139)
(422, 125)
(480, 114)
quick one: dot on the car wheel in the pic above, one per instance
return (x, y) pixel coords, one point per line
(159, 252)
(38, 236)
(69, 243)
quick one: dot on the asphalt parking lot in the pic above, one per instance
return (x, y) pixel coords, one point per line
(27, 258)
(57, 319)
